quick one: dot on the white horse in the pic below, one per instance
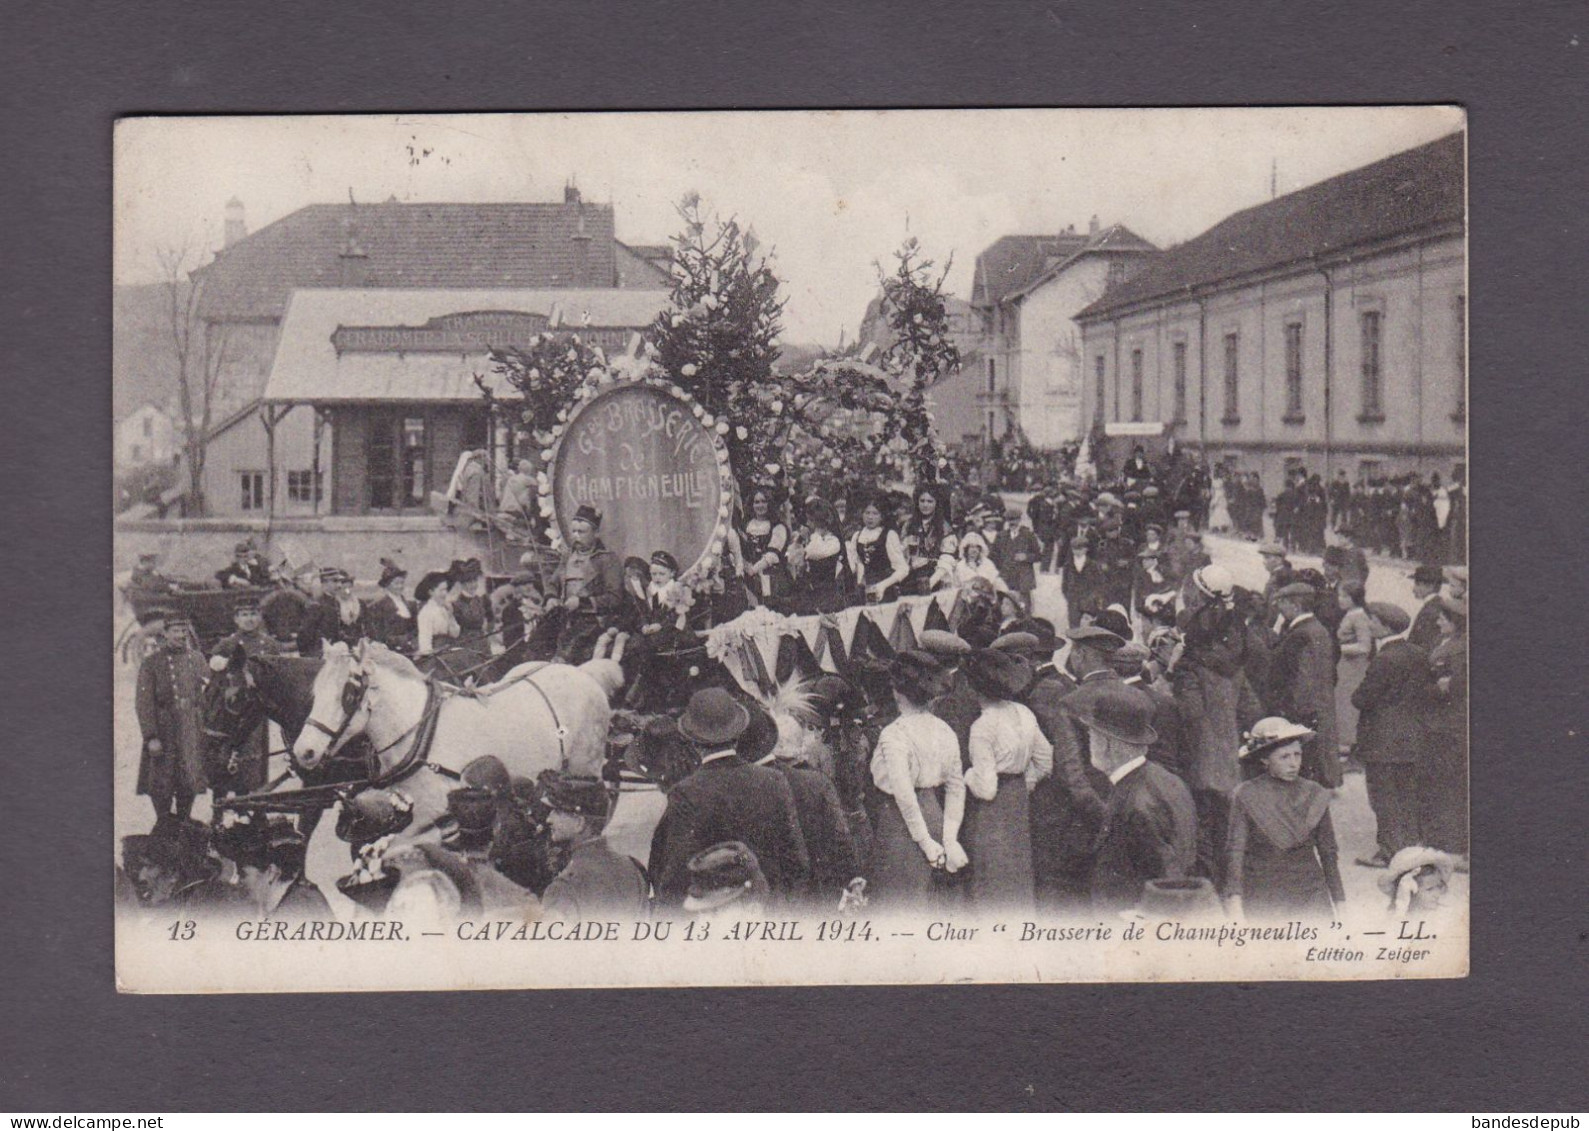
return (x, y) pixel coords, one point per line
(539, 716)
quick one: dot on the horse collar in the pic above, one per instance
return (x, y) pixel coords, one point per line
(424, 735)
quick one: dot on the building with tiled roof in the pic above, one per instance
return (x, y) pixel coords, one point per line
(1027, 289)
(1323, 329)
(245, 292)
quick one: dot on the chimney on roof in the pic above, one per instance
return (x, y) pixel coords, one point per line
(353, 263)
(581, 236)
(1092, 226)
(235, 227)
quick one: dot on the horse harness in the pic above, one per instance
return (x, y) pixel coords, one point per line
(424, 729)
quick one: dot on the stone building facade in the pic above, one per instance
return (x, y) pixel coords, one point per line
(1325, 329)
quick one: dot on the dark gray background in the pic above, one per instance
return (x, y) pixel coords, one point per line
(1510, 1036)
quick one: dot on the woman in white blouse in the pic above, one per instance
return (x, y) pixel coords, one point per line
(877, 556)
(916, 765)
(437, 628)
(824, 578)
(1009, 755)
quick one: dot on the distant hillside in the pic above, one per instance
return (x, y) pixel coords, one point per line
(143, 361)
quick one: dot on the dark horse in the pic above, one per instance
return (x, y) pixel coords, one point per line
(252, 689)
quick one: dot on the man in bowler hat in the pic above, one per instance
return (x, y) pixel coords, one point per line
(1426, 583)
(1301, 683)
(726, 799)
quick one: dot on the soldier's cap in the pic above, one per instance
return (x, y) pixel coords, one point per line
(154, 614)
(581, 796)
(1153, 526)
(1300, 590)
(1024, 642)
(722, 874)
(941, 643)
(1094, 636)
(245, 605)
(1271, 549)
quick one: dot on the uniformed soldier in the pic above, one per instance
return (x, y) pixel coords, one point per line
(597, 882)
(247, 768)
(170, 684)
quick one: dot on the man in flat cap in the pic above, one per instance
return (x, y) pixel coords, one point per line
(1149, 826)
(1083, 580)
(727, 799)
(1068, 804)
(597, 882)
(1301, 680)
(1393, 703)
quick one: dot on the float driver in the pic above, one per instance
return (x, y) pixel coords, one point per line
(587, 588)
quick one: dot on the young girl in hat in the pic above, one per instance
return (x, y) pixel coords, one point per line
(1009, 755)
(1280, 848)
(916, 769)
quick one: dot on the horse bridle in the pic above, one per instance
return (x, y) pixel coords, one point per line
(353, 692)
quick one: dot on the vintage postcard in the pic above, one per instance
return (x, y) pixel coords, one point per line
(779, 548)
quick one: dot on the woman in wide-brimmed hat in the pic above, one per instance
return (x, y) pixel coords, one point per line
(1280, 852)
(1009, 755)
(916, 768)
(435, 627)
